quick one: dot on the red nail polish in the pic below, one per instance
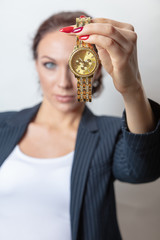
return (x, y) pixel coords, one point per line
(82, 16)
(84, 37)
(77, 30)
(66, 29)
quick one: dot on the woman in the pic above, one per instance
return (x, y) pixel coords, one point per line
(59, 160)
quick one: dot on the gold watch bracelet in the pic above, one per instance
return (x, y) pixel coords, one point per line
(84, 84)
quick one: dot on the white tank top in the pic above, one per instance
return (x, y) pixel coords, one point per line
(35, 197)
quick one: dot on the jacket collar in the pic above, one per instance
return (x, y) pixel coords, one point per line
(24, 116)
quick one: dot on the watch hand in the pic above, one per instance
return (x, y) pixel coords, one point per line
(81, 59)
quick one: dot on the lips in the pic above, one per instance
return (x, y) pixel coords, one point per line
(65, 98)
(65, 95)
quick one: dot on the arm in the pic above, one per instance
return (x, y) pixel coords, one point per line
(116, 44)
(136, 157)
(139, 114)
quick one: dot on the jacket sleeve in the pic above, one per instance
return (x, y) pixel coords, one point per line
(136, 157)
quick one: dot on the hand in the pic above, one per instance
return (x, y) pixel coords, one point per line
(117, 50)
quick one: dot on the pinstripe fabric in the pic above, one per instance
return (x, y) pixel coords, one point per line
(105, 150)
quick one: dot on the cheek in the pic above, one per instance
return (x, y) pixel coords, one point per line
(47, 78)
(74, 82)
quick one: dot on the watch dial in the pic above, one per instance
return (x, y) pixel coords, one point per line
(84, 62)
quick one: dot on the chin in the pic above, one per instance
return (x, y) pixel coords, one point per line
(65, 106)
(69, 107)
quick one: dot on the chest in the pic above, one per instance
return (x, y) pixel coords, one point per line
(34, 190)
(40, 142)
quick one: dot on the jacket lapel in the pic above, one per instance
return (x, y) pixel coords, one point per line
(13, 129)
(87, 138)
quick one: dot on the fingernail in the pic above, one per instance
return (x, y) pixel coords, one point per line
(84, 37)
(66, 29)
(77, 30)
(82, 16)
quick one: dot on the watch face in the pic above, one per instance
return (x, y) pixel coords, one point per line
(83, 62)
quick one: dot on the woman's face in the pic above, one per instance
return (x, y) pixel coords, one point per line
(55, 77)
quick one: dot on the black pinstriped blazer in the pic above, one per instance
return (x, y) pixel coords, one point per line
(105, 150)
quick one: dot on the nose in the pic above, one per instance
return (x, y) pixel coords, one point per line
(64, 78)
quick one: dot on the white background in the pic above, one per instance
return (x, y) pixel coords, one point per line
(138, 205)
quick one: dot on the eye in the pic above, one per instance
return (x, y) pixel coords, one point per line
(49, 65)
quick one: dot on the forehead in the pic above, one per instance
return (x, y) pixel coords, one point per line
(56, 44)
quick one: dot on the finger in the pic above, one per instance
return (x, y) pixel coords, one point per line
(113, 22)
(106, 30)
(105, 58)
(115, 51)
(128, 34)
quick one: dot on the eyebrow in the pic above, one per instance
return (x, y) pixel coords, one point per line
(48, 57)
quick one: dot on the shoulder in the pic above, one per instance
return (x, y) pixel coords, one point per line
(110, 129)
(109, 124)
(17, 117)
(108, 121)
(6, 115)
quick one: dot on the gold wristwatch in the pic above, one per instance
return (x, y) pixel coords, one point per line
(83, 62)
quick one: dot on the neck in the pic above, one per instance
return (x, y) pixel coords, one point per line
(54, 118)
